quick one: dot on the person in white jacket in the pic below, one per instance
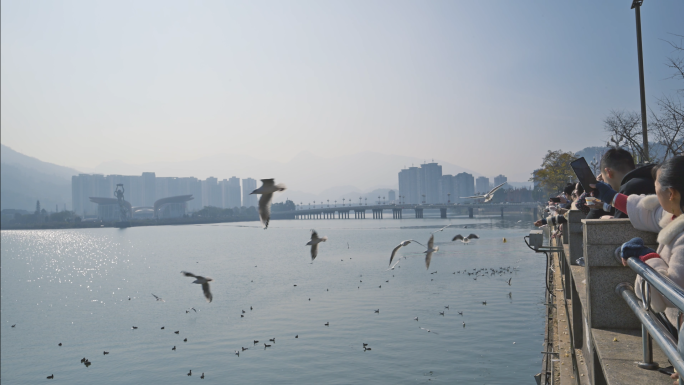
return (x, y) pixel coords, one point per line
(662, 214)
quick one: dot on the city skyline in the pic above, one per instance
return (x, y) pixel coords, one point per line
(101, 83)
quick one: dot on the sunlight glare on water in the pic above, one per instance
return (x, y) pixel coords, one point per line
(73, 287)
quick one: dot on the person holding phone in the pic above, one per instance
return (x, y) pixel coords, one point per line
(618, 170)
(660, 213)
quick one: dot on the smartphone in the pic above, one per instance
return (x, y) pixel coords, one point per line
(584, 174)
(555, 199)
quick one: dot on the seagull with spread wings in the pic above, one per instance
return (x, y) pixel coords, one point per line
(266, 190)
(488, 196)
(431, 248)
(463, 239)
(204, 281)
(441, 229)
(315, 240)
(402, 244)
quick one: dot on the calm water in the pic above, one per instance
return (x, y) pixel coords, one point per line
(72, 286)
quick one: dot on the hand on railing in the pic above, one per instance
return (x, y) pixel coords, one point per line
(634, 248)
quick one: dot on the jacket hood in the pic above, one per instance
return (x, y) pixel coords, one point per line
(641, 172)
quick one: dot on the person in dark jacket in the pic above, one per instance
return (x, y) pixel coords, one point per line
(618, 170)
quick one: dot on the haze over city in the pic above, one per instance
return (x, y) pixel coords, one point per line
(91, 84)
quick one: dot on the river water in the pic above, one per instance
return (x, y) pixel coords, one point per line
(73, 287)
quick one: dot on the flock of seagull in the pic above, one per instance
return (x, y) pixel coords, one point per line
(266, 191)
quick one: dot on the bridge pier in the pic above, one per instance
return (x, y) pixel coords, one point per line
(442, 213)
(396, 213)
(470, 212)
(419, 213)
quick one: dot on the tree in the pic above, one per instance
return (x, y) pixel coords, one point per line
(668, 125)
(625, 131)
(555, 171)
(288, 205)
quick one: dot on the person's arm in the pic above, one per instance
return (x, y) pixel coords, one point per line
(674, 271)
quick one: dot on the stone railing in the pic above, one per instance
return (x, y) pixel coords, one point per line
(606, 339)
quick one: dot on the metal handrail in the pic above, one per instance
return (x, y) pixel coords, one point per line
(664, 285)
(654, 328)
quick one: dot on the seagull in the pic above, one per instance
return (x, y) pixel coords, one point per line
(509, 281)
(416, 318)
(174, 347)
(402, 244)
(460, 313)
(465, 239)
(441, 229)
(237, 352)
(315, 240)
(203, 281)
(158, 298)
(266, 346)
(104, 353)
(50, 377)
(430, 249)
(488, 196)
(266, 190)
(190, 372)
(202, 376)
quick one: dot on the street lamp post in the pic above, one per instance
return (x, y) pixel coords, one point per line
(636, 6)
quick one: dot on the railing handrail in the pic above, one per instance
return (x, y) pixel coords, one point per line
(655, 328)
(665, 286)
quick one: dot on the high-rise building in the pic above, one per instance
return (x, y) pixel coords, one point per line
(211, 193)
(431, 173)
(465, 184)
(149, 188)
(446, 189)
(84, 186)
(249, 185)
(500, 179)
(230, 192)
(482, 185)
(409, 191)
(391, 196)
(193, 186)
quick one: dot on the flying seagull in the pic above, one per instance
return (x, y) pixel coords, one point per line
(158, 298)
(403, 243)
(465, 239)
(488, 196)
(431, 248)
(441, 229)
(315, 240)
(203, 281)
(266, 190)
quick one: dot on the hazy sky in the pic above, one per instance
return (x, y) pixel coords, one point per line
(488, 85)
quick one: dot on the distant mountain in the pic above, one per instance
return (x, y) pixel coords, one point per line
(25, 179)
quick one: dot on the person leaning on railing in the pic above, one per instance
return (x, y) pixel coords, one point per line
(573, 192)
(660, 213)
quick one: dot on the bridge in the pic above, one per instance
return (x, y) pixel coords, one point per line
(344, 212)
